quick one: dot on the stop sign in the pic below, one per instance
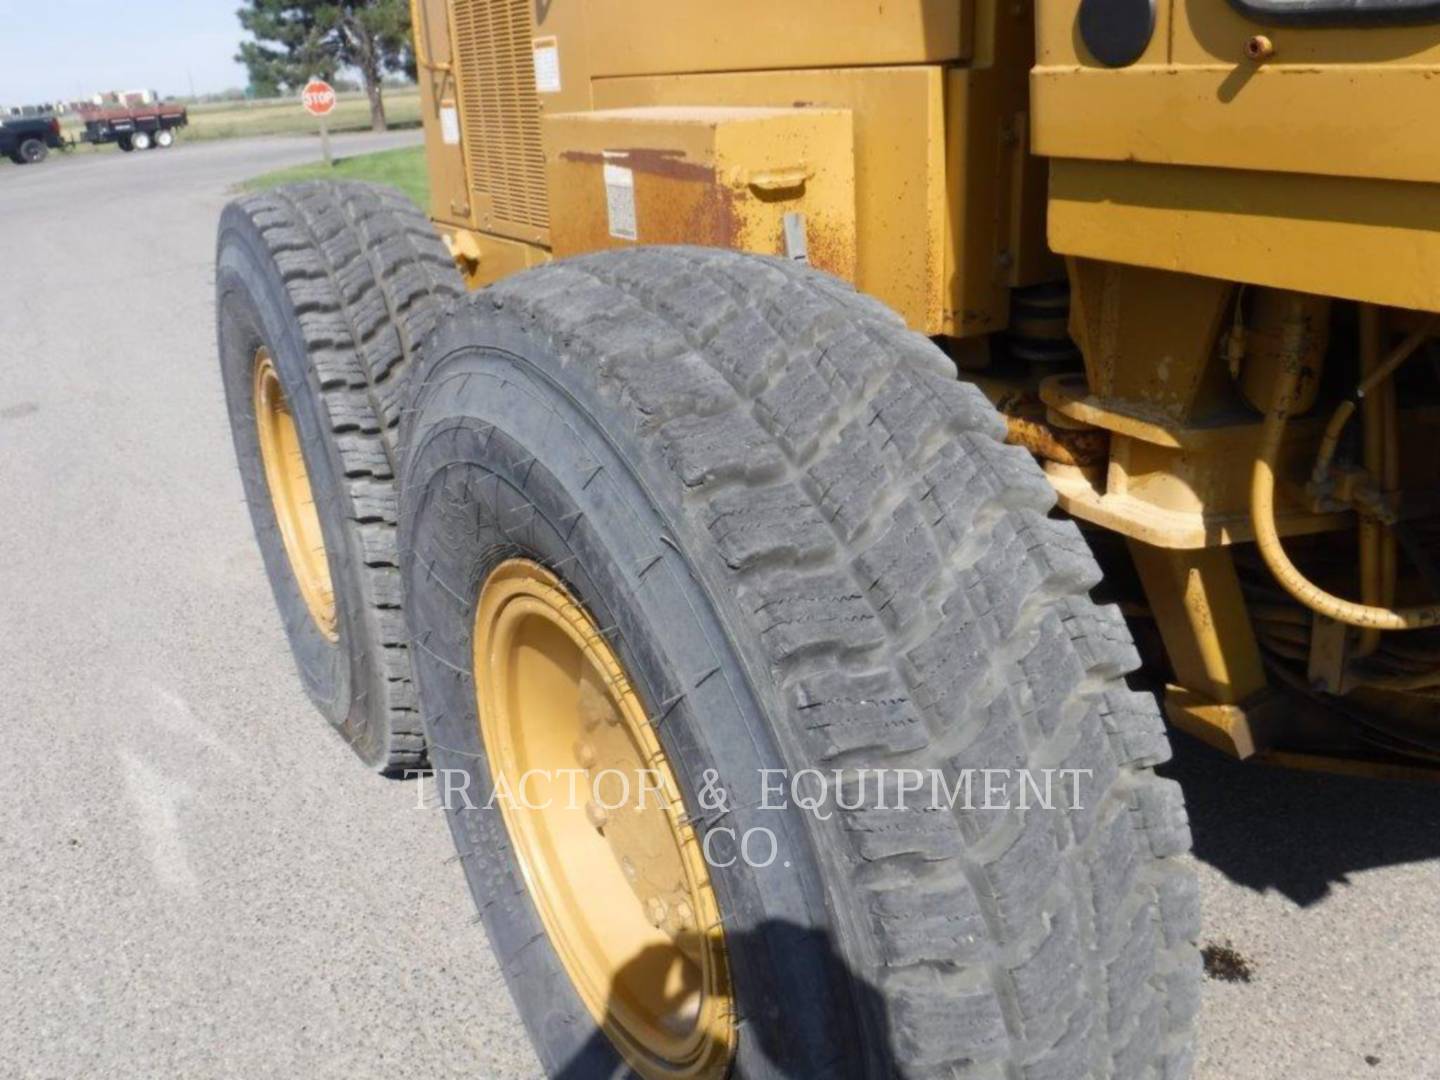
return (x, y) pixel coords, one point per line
(318, 97)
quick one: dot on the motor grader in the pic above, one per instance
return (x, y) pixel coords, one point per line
(839, 391)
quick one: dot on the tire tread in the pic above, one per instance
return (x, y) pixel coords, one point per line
(367, 278)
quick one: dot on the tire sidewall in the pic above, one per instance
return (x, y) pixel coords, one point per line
(498, 401)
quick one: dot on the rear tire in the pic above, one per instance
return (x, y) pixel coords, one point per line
(339, 283)
(125, 143)
(811, 549)
(164, 138)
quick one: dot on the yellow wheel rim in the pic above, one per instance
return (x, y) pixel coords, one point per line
(289, 485)
(616, 872)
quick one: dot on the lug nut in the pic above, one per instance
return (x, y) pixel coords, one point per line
(657, 910)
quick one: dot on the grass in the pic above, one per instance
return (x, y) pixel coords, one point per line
(239, 119)
(403, 169)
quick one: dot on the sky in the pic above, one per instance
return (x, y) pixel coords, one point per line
(64, 49)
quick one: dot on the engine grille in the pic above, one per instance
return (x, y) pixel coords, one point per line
(500, 110)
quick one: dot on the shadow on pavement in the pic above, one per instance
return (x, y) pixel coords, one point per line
(1299, 833)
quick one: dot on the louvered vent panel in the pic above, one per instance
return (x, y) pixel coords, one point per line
(500, 110)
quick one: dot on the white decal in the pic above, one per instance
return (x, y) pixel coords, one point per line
(449, 125)
(547, 65)
(620, 201)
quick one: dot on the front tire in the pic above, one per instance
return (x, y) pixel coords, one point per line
(142, 140)
(811, 549)
(324, 293)
(33, 151)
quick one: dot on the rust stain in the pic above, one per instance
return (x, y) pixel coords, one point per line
(646, 160)
(1057, 444)
(714, 220)
(706, 212)
(830, 248)
(1026, 426)
(683, 201)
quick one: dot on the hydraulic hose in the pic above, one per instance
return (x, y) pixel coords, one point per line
(1346, 409)
(1262, 506)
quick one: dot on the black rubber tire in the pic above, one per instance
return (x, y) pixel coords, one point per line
(123, 141)
(33, 151)
(342, 282)
(811, 548)
(164, 139)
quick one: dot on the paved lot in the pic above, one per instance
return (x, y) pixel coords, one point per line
(196, 877)
(197, 880)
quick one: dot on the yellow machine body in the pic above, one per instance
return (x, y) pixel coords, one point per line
(721, 177)
(1171, 269)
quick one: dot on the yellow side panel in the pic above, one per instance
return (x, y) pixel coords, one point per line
(713, 176)
(1339, 102)
(449, 191)
(657, 37)
(1205, 33)
(1337, 121)
(1372, 240)
(899, 133)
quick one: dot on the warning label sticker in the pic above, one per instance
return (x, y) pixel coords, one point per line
(620, 201)
(449, 125)
(547, 65)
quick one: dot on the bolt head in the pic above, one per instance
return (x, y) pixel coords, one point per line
(1259, 47)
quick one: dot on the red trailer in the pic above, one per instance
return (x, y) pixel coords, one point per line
(134, 128)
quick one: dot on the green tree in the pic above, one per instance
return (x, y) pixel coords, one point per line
(263, 85)
(296, 40)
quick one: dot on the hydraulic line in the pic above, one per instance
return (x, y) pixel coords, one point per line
(1262, 490)
(1374, 538)
(1333, 430)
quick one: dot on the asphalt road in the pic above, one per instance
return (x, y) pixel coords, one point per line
(197, 879)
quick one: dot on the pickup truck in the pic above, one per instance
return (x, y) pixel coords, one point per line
(28, 139)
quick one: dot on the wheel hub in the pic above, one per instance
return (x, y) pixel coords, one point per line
(290, 494)
(595, 815)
